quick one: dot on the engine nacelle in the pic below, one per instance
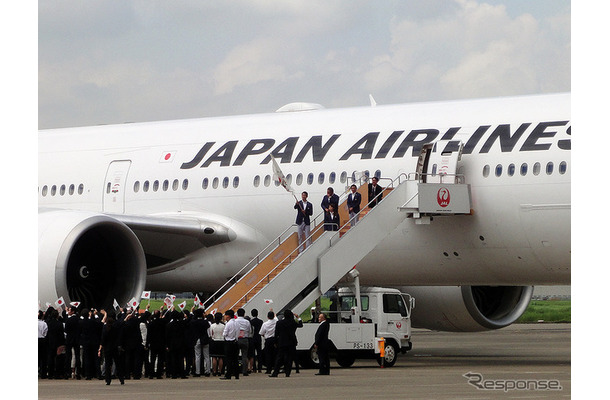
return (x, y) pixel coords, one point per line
(88, 257)
(468, 308)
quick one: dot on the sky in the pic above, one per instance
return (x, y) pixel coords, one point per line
(106, 62)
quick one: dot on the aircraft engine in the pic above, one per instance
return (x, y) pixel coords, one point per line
(468, 308)
(87, 257)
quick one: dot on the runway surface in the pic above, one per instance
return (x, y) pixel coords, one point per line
(517, 362)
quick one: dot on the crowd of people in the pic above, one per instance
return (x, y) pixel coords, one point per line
(129, 344)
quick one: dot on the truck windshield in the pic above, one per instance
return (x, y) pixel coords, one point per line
(394, 304)
(347, 302)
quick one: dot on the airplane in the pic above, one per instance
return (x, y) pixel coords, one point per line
(183, 205)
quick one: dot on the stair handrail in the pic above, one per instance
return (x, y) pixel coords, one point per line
(256, 258)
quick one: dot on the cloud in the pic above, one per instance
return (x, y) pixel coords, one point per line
(100, 62)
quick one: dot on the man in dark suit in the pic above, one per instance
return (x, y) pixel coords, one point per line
(330, 198)
(257, 343)
(322, 345)
(285, 333)
(375, 192)
(331, 219)
(353, 204)
(305, 210)
(72, 330)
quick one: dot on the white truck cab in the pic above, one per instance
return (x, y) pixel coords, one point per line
(383, 315)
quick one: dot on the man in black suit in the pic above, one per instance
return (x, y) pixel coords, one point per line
(72, 330)
(331, 219)
(353, 204)
(305, 210)
(330, 198)
(375, 192)
(257, 343)
(285, 333)
(322, 345)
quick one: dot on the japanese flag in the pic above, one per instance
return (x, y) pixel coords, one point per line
(115, 304)
(278, 175)
(75, 304)
(182, 305)
(171, 296)
(167, 156)
(59, 302)
(146, 294)
(268, 301)
(214, 311)
(198, 301)
(168, 302)
(133, 303)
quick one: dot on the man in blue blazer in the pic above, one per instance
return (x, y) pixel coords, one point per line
(304, 211)
(353, 204)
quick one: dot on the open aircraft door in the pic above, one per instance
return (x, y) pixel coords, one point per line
(114, 190)
(440, 166)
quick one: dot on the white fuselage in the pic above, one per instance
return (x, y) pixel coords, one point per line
(516, 159)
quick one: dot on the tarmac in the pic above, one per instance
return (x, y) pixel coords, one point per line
(521, 361)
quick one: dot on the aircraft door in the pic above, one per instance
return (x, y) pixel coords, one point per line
(442, 165)
(114, 186)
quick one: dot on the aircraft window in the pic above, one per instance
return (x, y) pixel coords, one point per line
(321, 178)
(53, 190)
(299, 179)
(108, 188)
(367, 174)
(205, 183)
(549, 168)
(257, 181)
(175, 184)
(155, 186)
(185, 184)
(225, 182)
(310, 178)
(277, 182)
(524, 169)
(136, 186)
(62, 190)
(289, 179)
(511, 170)
(343, 178)
(378, 174)
(236, 182)
(45, 190)
(354, 177)
(71, 190)
(215, 183)
(165, 185)
(434, 167)
(332, 177)
(499, 170)
(536, 169)
(563, 167)
(81, 188)
(267, 180)
(486, 171)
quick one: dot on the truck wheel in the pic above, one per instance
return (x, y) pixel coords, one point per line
(391, 354)
(345, 359)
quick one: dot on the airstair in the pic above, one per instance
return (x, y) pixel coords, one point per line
(282, 277)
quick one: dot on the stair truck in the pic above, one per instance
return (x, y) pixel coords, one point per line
(359, 329)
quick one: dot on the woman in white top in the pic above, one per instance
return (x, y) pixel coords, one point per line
(217, 344)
